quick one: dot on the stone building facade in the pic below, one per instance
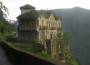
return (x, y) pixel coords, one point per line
(40, 26)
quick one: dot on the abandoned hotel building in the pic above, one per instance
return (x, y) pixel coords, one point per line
(39, 25)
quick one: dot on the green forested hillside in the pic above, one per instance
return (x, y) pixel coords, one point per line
(76, 21)
(5, 27)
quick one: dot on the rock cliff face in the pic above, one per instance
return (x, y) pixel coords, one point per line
(76, 21)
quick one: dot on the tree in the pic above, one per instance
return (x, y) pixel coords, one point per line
(63, 41)
(5, 27)
(3, 7)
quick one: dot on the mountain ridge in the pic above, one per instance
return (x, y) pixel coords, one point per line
(76, 21)
(76, 7)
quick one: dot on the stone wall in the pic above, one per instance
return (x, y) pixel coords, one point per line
(20, 58)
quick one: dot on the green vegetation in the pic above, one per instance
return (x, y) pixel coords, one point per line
(72, 60)
(5, 26)
(28, 16)
(64, 44)
(44, 54)
(76, 21)
(35, 48)
(63, 38)
(37, 51)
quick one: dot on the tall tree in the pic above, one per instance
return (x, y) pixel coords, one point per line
(5, 27)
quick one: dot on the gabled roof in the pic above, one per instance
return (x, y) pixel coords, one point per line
(27, 7)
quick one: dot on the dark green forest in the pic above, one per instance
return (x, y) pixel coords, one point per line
(6, 28)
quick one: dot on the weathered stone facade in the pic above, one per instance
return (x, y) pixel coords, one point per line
(41, 26)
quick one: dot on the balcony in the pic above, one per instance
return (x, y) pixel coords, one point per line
(43, 27)
(48, 28)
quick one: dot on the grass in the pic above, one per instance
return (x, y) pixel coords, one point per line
(36, 51)
(72, 60)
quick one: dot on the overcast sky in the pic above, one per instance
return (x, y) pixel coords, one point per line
(13, 5)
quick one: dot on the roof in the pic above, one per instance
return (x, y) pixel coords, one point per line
(34, 14)
(44, 13)
(29, 16)
(27, 7)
